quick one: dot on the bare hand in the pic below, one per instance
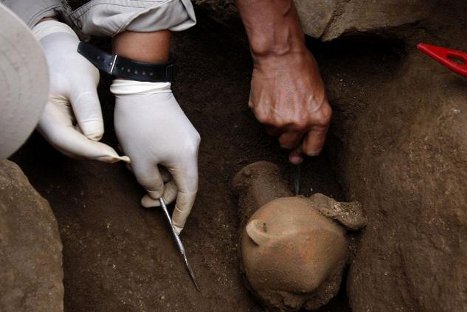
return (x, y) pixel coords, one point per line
(287, 95)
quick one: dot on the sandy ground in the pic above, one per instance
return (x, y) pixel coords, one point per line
(119, 256)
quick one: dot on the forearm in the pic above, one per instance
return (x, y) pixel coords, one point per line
(151, 47)
(287, 93)
(272, 26)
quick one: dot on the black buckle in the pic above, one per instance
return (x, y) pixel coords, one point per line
(122, 67)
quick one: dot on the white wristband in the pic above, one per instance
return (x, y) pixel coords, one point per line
(48, 27)
(129, 87)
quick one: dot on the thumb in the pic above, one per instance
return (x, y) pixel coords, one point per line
(148, 175)
(56, 127)
(87, 110)
(185, 201)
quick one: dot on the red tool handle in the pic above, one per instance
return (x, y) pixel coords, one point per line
(453, 59)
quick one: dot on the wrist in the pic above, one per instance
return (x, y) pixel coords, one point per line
(273, 27)
(151, 47)
(49, 26)
(295, 58)
(282, 39)
(121, 87)
(264, 48)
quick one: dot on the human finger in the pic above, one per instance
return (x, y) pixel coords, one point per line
(296, 156)
(186, 179)
(147, 174)
(169, 195)
(56, 127)
(314, 140)
(290, 139)
(87, 111)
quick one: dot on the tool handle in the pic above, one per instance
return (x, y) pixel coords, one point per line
(174, 234)
(454, 60)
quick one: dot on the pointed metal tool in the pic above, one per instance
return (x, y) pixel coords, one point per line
(296, 172)
(179, 244)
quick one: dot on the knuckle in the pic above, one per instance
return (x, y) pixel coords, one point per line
(197, 138)
(191, 145)
(150, 183)
(300, 123)
(325, 116)
(263, 118)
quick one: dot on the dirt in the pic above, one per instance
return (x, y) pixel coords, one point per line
(393, 146)
(396, 144)
(398, 139)
(399, 142)
(119, 256)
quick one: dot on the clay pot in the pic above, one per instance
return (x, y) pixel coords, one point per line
(291, 252)
(293, 249)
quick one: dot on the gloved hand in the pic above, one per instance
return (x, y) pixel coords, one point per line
(153, 130)
(72, 95)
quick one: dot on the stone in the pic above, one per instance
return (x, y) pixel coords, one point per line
(327, 20)
(293, 255)
(30, 247)
(401, 150)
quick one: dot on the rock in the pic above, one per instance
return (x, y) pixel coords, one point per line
(329, 20)
(316, 16)
(413, 185)
(30, 247)
(403, 154)
(293, 255)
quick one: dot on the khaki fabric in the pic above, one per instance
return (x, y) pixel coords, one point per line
(110, 17)
(32, 11)
(24, 83)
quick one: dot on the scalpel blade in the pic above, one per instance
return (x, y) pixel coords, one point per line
(179, 243)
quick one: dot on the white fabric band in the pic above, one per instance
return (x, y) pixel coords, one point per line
(129, 87)
(48, 27)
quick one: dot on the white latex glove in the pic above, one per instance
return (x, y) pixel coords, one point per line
(72, 97)
(153, 130)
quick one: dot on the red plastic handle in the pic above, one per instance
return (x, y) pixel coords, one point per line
(453, 59)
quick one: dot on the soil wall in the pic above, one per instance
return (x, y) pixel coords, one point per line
(401, 149)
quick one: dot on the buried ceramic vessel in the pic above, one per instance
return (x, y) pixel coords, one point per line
(293, 249)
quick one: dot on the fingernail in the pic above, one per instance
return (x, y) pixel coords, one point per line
(108, 159)
(125, 159)
(93, 130)
(113, 159)
(148, 202)
(313, 153)
(295, 159)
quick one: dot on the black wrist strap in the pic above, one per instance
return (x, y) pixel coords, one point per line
(122, 67)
